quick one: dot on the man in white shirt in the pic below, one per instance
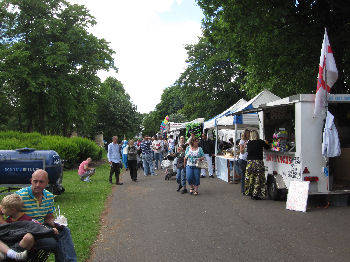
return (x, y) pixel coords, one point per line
(114, 159)
(157, 147)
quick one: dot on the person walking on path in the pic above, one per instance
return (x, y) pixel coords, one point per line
(193, 154)
(125, 154)
(132, 160)
(147, 156)
(181, 142)
(208, 149)
(84, 171)
(255, 171)
(165, 147)
(181, 171)
(157, 149)
(114, 159)
(171, 144)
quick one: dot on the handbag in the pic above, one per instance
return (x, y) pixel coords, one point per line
(202, 164)
(166, 163)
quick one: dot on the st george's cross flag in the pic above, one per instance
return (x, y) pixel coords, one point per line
(327, 75)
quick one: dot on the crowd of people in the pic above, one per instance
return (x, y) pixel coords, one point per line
(149, 153)
(188, 154)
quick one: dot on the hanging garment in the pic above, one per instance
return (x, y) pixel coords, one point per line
(330, 144)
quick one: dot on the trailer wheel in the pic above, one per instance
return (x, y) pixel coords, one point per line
(273, 192)
(56, 189)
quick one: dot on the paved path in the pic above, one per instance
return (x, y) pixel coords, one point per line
(150, 221)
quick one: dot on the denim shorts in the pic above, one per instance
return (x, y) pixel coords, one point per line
(193, 175)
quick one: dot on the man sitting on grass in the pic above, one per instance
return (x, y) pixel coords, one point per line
(84, 171)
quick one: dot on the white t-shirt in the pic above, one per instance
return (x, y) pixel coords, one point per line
(125, 150)
(157, 146)
(245, 154)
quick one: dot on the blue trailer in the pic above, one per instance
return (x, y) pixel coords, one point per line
(17, 167)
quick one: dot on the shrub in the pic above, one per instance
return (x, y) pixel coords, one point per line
(14, 140)
(87, 148)
(31, 139)
(10, 134)
(10, 143)
(66, 149)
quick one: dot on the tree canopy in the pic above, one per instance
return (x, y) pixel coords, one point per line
(116, 115)
(48, 70)
(49, 63)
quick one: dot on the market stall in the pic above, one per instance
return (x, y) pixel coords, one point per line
(238, 123)
(224, 168)
(299, 147)
(213, 124)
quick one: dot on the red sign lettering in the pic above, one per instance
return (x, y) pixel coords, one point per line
(279, 159)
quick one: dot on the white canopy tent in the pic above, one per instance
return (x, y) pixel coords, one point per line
(211, 123)
(228, 120)
(246, 120)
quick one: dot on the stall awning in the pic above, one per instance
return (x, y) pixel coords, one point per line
(211, 123)
(234, 117)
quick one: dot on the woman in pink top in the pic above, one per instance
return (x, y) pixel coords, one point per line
(84, 171)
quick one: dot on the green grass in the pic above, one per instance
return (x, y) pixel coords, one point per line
(82, 204)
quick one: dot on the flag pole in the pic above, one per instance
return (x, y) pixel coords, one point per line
(325, 74)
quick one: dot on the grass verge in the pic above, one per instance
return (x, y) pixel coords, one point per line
(82, 204)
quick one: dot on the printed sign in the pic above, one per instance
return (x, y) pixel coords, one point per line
(297, 195)
(279, 159)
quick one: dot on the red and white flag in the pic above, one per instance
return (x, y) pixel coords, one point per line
(327, 75)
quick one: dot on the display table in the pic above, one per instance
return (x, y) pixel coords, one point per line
(222, 168)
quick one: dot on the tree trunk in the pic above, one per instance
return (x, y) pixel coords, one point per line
(41, 112)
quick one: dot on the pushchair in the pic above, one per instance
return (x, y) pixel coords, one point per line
(169, 164)
(139, 161)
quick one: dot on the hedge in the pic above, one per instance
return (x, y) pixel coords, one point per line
(71, 150)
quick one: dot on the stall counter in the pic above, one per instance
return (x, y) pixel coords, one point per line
(222, 167)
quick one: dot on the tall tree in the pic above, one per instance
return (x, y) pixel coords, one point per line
(116, 114)
(50, 62)
(172, 100)
(211, 81)
(151, 123)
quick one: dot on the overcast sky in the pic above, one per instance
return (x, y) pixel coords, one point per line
(148, 37)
